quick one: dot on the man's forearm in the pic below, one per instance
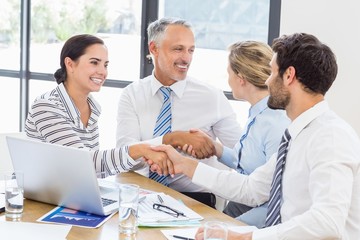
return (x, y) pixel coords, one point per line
(189, 168)
(173, 138)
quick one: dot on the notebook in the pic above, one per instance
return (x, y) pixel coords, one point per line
(61, 175)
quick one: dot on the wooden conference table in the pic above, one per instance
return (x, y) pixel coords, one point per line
(109, 230)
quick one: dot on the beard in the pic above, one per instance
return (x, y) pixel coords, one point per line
(279, 97)
(277, 102)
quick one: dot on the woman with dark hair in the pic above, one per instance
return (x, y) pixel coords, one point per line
(68, 115)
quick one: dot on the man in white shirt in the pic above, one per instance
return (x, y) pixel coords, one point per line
(194, 104)
(320, 186)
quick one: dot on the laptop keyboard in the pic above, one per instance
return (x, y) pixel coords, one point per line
(106, 201)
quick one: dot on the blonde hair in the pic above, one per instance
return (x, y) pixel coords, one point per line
(250, 60)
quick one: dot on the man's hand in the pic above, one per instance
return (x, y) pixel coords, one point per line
(196, 142)
(188, 149)
(160, 160)
(163, 164)
(155, 168)
(180, 163)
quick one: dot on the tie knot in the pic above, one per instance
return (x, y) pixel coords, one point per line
(166, 91)
(286, 135)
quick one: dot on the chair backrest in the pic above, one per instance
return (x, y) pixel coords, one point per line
(5, 160)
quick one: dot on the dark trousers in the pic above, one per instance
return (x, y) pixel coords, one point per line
(234, 209)
(251, 216)
(203, 197)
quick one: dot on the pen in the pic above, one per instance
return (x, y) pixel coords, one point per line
(160, 199)
(180, 237)
(142, 199)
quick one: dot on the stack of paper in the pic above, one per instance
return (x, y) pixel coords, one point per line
(150, 217)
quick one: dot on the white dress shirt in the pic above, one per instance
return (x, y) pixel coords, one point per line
(321, 181)
(193, 104)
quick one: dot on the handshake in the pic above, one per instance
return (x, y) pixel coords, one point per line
(166, 159)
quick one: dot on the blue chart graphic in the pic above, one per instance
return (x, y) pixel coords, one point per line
(73, 217)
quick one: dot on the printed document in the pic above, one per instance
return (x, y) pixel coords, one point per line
(150, 217)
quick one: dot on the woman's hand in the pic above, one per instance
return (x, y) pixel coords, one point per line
(159, 162)
(181, 164)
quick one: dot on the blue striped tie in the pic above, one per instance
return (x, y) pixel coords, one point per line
(163, 126)
(273, 214)
(239, 168)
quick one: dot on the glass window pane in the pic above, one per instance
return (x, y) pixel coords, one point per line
(10, 34)
(38, 87)
(117, 22)
(108, 99)
(10, 104)
(217, 24)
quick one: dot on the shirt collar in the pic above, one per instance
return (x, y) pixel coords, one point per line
(307, 117)
(68, 103)
(95, 110)
(259, 107)
(72, 109)
(178, 87)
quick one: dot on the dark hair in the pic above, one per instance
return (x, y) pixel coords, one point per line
(74, 48)
(314, 62)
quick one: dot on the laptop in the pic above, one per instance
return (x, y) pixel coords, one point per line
(61, 175)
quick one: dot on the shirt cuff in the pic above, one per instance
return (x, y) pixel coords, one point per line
(154, 141)
(158, 140)
(228, 158)
(129, 160)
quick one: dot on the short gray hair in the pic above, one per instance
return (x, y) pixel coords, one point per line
(157, 28)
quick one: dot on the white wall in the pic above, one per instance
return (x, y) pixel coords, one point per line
(335, 23)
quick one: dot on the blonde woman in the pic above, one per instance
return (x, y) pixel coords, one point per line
(248, 69)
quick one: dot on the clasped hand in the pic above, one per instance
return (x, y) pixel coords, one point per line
(198, 144)
(159, 162)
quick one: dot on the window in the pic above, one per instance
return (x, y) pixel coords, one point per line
(122, 25)
(116, 22)
(10, 35)
(217, 24)
(9, 65)
(10, 105)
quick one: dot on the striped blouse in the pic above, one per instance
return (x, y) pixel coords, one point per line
(54, 118)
